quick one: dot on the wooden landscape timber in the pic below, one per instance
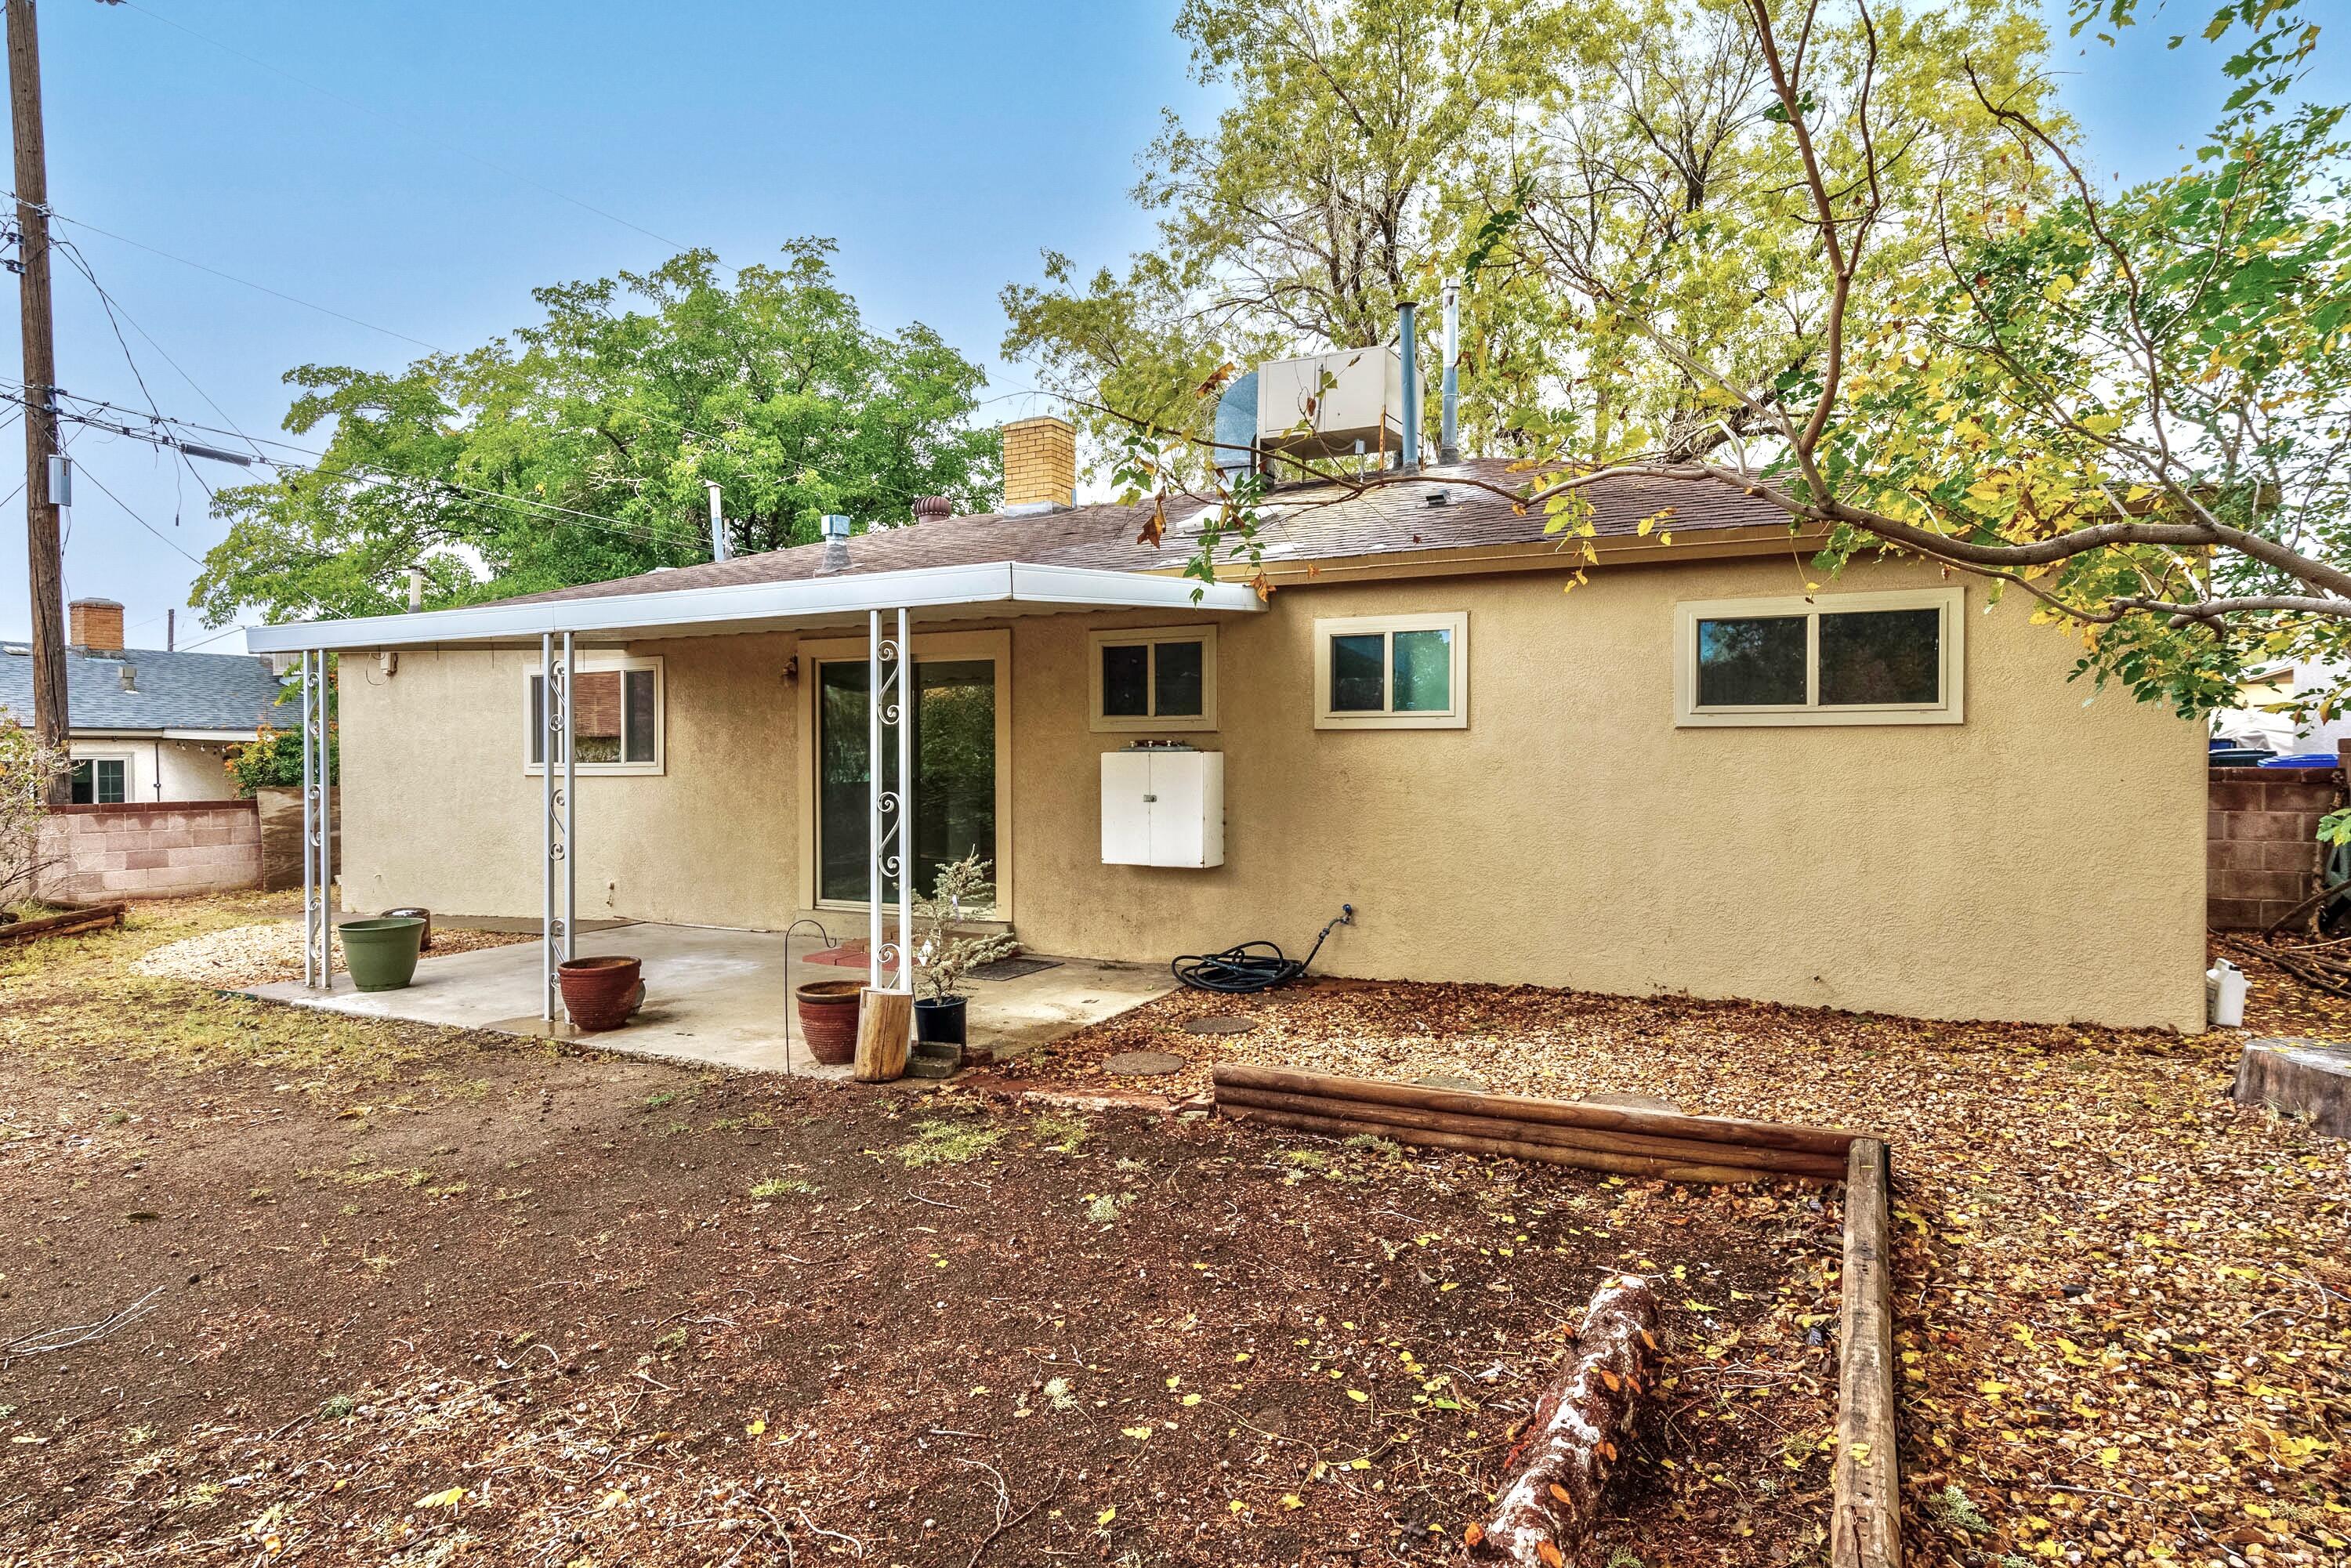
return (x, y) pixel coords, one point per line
(1659, 1144)
(67, 921)
(1866, 1528)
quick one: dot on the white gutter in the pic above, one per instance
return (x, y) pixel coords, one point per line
(806, 599)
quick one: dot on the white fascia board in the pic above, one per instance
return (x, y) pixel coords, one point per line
(808, 599)
(1126, 589)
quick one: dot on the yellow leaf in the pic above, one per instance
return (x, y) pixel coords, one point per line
(1293, 1500)
(1237, 1505)
(616, 1498)
(1105, 1516)
(449, 1498)
(1190, 1399)
(1137, 1433)
(1358, 1395)
(756, 1428)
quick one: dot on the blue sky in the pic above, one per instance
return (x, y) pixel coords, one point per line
(942, 145)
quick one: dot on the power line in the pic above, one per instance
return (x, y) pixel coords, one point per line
(162, 439)
(135, 517)
(81, 264)
(192, 647)
(233, 278)
(394, 119)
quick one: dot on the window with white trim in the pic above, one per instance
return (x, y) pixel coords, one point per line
(616, 717)
(101, 781)
(1154, 678)
(1841, 658)
(1393, 671)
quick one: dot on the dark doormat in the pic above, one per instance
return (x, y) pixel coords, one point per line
(1013, 968)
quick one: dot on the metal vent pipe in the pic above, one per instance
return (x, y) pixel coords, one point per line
(1448, 438)
(1409, 454)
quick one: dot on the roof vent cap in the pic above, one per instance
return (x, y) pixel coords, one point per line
(836, 527)
(932, 509)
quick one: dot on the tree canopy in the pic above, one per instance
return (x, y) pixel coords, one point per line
(1847, 258)
(577, 448)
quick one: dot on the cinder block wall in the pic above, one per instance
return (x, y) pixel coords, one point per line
(151, 850)
(2260, 840)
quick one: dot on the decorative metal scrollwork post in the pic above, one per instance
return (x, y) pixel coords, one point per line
(560, 884)
(889, 812)
(318, 826)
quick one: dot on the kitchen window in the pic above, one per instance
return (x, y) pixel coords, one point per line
(1844, 659)
(1393, 671)
(616, 717)
(1154, 678)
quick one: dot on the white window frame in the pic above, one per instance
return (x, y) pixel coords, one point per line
(1148, 636)
(129, 760)
(1951, 674)
(596, 663)
(1456, 621)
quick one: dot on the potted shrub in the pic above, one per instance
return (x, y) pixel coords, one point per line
(945, 958)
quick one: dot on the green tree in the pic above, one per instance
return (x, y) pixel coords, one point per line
(577, 449)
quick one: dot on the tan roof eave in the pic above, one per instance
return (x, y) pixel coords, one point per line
(1559, 554)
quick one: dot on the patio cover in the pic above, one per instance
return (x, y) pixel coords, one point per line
(929, 594)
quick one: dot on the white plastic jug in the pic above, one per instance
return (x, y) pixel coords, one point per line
(2224, 995)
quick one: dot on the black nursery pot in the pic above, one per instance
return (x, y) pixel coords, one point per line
(939, 1022)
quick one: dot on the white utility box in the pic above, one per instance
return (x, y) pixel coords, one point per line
(1354, 395)
(1162, 808)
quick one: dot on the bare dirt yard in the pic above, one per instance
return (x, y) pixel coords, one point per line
(277, 1286)
(2124, 1302)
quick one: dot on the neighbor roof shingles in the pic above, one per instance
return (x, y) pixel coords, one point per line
(171, 691)
(1303, 524)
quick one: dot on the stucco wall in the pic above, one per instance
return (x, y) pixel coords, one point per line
(2043, 860)
(438, 810)
(187, 769)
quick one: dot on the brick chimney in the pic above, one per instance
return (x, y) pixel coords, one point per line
(1040, 465)
(96, 624)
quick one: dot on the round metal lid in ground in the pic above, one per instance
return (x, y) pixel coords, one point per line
(1142, 1064)
(1220, 1023)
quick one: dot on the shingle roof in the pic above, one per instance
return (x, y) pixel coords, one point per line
(1300, 524)
(172, 690)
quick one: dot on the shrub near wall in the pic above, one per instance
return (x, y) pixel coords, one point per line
(143, 851)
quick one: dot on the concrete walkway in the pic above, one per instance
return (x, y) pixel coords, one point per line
(719, 997)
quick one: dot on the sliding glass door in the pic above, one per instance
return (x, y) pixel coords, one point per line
(954, 772)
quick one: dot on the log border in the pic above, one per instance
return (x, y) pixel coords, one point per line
(1865, 1519)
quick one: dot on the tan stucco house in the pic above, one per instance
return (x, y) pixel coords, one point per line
(1686, 776)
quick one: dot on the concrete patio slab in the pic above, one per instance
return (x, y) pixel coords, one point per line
(719, 997)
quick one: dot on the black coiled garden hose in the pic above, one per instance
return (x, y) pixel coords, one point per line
(1252, 966)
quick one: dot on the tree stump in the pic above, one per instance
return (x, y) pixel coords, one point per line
(1554, 1475)
(886, 1020)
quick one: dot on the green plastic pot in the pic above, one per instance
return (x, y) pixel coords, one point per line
(382, 953)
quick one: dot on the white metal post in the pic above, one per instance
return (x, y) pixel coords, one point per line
(558, 882)
(1448, 442)
(324, 709)
(909, 693)
(572, 804)
(874, 799)
(309, 861)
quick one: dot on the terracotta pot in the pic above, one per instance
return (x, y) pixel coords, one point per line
(828, 1018)
(601, 993)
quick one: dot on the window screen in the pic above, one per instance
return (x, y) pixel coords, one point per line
(1757, 661)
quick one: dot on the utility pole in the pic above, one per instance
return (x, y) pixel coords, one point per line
(48, 566)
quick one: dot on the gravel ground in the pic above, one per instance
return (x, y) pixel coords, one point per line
(257, 955)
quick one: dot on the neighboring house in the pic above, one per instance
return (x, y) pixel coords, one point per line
(147, 726)
(1686, 776)
(2248, 724)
